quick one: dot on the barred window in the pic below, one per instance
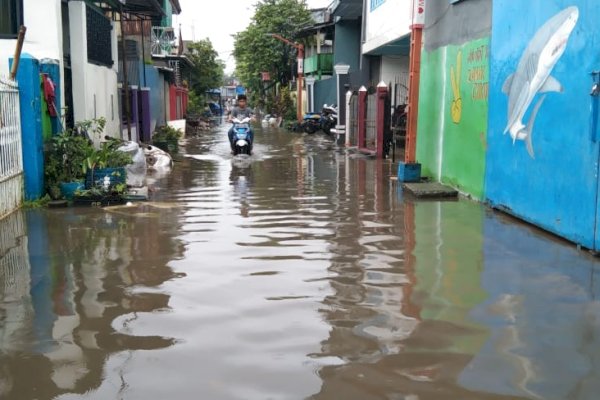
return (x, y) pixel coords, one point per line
(11, 17)
(99, 37)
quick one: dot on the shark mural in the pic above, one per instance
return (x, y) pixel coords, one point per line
(532, 75)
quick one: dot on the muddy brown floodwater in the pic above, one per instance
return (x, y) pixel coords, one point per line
(301, 272)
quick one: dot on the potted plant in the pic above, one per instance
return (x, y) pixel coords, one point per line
(167, 138)
(106, 166)
(101, 195)
(64, 159)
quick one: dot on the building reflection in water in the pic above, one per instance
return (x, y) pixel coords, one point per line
(404, 285)
(72, 286)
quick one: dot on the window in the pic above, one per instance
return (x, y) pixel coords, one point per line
(99, 38)
(376, 3)
(11, 17)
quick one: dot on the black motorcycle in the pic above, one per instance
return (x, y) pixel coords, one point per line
(329, 118)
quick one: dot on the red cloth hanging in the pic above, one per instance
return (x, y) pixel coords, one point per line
(49, 94)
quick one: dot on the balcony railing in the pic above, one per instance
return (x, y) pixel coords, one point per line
(320, 64)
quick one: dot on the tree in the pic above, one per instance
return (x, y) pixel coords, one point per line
(208, 70)
(255, 51)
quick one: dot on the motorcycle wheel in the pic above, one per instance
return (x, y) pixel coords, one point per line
(310, 128)
(327, 127)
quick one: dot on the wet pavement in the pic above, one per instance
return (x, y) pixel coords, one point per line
(301, 272)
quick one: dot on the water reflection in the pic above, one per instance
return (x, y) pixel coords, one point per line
(543, 311)
(307, 275)
(74, 291)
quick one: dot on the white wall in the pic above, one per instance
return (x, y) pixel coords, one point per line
(392, 66)
(389, 21)
(95, 92)
(43, 38)
(44, 33)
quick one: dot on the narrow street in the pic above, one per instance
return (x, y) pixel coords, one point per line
(301, 272)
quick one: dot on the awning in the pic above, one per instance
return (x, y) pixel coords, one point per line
(398, 47)
(150, 8)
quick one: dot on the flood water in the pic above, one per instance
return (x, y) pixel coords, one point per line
(301, 272)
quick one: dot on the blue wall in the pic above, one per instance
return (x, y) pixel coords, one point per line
(28, 77)
(325, 92)
(557, 187)
(157, 96)
(346, 48)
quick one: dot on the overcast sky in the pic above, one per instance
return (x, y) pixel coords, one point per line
(218, 20)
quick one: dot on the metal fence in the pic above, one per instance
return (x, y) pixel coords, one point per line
(11, 158)
(371, 122)
(352, 129)
(400, 89)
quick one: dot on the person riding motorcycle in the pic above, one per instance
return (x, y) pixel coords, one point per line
(240, 112)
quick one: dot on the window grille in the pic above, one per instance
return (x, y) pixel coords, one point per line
(99, 38)
(11, 17)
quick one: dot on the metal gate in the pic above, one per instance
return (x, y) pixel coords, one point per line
(371, 123)
(353, 127)
(11, 158)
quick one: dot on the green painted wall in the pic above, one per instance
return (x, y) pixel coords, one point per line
(453, 111)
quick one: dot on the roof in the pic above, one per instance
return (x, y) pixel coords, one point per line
(145, 7)
(176, 6)
(347, 9)
(150, 8)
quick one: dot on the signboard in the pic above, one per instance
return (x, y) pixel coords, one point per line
(300, 65)
(418, 14)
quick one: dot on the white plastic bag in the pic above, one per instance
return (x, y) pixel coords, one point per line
(136, 171)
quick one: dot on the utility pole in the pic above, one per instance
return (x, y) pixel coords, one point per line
(300, 74)
(410, 169)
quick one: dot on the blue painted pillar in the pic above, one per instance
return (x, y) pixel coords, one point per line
(28, 77)
(52, 68)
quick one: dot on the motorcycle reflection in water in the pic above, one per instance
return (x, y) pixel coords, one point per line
(241, 179)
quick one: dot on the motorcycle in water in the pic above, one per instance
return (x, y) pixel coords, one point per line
(329, 118)
(311, 122)
(242, 137)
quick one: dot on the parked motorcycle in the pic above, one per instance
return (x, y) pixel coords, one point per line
(329, 118)
(242, 136)
(311, 122)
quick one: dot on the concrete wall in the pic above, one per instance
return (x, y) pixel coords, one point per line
(555, 184)
(346, 47)
(95, 92)
(155, 82)
(392, 67)
(43, 39)
(44, 33)
(325, 92)
(389, 21)
(453, 103)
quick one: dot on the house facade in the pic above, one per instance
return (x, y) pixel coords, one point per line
(81, 41)
(512, 120)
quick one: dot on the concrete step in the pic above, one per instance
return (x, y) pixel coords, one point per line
(430, 190)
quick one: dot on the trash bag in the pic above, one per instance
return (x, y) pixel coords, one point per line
(157, 159)
(136, 171)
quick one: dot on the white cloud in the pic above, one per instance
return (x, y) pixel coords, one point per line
(219, 21)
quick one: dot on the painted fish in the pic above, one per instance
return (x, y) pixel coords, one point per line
(533, 73)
